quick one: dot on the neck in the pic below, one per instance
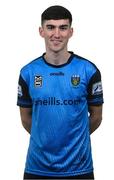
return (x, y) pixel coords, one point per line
(57, 58)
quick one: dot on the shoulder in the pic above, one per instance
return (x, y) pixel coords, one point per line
(87, 67)
(27, 69)
(85, 62)
(31, 64)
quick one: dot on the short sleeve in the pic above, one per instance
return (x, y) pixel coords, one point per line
(23, 99)
(95, 90)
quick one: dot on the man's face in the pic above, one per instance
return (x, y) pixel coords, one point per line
(56, 34)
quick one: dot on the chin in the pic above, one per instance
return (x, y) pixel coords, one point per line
(56, 50)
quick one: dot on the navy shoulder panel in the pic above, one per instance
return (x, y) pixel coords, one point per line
(84, 59)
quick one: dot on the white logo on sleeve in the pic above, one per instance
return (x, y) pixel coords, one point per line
(20, 91)
(97, 88)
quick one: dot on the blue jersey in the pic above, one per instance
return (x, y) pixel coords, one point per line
(59, 97)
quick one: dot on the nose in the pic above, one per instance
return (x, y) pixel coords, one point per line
(57, 33)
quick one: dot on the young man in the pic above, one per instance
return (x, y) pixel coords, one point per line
(60, 98)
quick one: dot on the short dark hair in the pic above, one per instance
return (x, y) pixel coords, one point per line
(56, 12)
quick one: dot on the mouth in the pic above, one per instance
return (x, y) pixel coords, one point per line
(56, 42)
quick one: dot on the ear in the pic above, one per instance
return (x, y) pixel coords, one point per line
(41, 31)
(71, 32)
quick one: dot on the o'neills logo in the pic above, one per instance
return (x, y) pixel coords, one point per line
(57, 74)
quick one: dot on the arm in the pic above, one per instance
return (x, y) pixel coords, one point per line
(95, 117)
(24, 101)
(26, 118)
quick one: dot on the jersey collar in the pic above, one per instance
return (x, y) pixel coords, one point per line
(62, 65)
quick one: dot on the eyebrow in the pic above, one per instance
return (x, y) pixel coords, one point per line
(64, 25)
(61, 26)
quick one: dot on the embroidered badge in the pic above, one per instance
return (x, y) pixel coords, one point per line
(97, 88)
(38, 81)
(75, 80)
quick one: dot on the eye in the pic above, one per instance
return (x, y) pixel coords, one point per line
(63, 27)
(50, 27)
